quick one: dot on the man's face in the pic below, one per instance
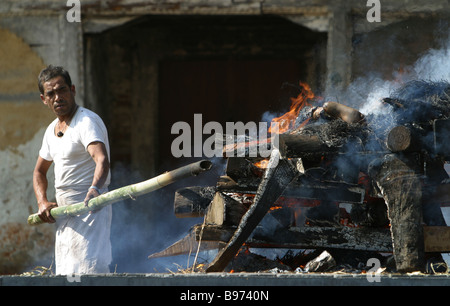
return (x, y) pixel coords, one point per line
(59, 97)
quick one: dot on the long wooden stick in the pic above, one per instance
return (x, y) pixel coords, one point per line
(126, 192)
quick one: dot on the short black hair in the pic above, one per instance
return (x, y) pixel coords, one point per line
(51, 72)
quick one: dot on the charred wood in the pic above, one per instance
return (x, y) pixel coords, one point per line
(414, 137)
(224, 210)
(421, 101)
(327, 191)
(401, 189)
(188, 245)
(441, 128)
(300, 145)
(402, 139)
(277, 177)
(246, 147)
(436, 239)
(214, 232)
(297, 192)
(227, 184)
(192, 201)
(241, 168)
(365, 239)
(246, 261)
(307, 237)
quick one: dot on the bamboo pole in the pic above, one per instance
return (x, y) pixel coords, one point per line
(126, 192)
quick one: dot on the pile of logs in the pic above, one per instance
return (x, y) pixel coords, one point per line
(313, 195)
(296, 205)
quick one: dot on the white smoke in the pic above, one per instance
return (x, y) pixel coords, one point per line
(433, 66)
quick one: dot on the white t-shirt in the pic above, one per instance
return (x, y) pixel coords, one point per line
(74, 165)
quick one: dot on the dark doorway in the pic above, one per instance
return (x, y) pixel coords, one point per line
(221, 91)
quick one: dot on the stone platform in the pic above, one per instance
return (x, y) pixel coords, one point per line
(230, 279)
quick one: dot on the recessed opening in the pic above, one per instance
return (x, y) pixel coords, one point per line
(158, 70)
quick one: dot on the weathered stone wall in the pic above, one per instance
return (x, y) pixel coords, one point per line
(22, 123)
(29, 43)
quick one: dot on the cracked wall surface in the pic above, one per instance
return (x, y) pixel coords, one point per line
(23, 119)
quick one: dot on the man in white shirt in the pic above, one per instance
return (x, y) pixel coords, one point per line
(77, 142)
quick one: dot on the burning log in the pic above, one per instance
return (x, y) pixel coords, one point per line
(126, 192)
(300, 145)
(290, 145)
(278, 175)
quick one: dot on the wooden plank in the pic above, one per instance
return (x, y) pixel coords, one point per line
(187, 245)
(437, 239)
(364, 239)
(192, 201)
(214, 233)
(224, 210)
(276, 178)
(336, 192)
(400, 186)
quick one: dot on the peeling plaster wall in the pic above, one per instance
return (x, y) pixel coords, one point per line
(29, 43)
(23, 119)
(21, 244)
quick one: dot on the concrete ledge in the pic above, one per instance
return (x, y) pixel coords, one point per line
(228, 279)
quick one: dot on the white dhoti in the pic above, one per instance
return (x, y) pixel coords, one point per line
(83, 244)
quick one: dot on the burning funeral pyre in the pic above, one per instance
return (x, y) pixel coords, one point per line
(339, 181)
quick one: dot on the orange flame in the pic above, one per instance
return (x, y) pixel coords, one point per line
(286, 122)
(262, 163)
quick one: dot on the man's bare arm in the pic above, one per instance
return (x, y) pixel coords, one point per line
(98, 152)
(40, 184)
